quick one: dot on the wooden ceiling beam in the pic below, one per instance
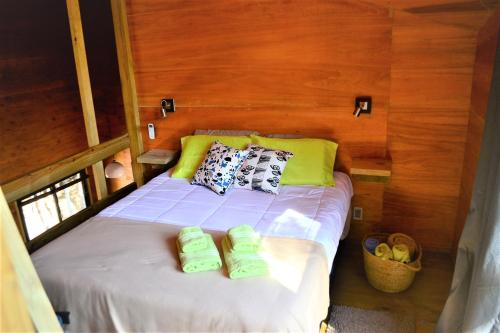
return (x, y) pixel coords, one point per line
(82, 71)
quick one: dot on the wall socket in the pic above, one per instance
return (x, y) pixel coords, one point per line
(357, 213)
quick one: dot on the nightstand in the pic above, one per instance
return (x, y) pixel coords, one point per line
(369, 179)
(158, 157)
(371, 169)
(157, 161)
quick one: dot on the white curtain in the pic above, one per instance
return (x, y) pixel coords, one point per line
(474, 301)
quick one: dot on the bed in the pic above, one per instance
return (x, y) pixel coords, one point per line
(119, 271)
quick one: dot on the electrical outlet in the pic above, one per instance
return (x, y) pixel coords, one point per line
(357, 213)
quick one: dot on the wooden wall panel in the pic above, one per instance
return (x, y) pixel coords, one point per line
(40, 114)
(431, 77)
(483, 70)
(272, 66)
(296, 66)
(103, 68)
(41, 119)
(369, 196)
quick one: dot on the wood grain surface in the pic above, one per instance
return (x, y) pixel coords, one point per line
(83, 76)
(41, 118)
(485, 60)
(275, 67)
(296, 66)
(128, 86)
(431, 76)
(270, 66)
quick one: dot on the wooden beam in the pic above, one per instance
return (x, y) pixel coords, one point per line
(82, 71)
(129, 90)
(33, 181)
(14, 316)
(25, 305)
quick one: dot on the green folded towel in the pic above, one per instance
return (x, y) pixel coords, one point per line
(206, 259)
(244, 238)
(192, 239)
(243, 264)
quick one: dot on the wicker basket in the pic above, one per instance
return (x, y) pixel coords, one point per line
(389, 275)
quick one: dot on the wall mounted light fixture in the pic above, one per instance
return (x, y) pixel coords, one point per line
(114, 170)
(362, 104)
(167, 105)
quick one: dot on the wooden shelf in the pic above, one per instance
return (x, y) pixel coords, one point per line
(371, 169)
(158, 156)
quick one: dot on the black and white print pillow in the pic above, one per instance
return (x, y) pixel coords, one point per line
(218, 169)
(245, 174)
(265, 175)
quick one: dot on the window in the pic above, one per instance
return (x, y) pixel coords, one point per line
(51, 205)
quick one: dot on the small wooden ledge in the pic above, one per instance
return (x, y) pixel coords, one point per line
(158, 156)
(371, 169)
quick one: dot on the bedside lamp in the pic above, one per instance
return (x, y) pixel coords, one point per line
(114, 170)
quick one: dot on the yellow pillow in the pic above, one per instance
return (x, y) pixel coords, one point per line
(195, 147)
(312, 161)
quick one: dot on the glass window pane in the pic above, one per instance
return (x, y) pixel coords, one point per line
(71, 200)
(28, 198)
(68, 180)
(46, 190)
(40, 215)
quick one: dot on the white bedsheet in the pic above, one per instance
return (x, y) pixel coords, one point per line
(303, 212)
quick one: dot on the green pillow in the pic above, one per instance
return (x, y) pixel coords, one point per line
(195, 147)
(312, 161)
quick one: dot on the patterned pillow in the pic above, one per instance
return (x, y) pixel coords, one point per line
(245, 174)
(263, 169)
(219, 168)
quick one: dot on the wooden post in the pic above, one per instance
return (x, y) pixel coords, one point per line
(82, 71)
(129, 90)
(25, 306)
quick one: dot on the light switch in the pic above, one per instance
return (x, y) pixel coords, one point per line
(151, 131)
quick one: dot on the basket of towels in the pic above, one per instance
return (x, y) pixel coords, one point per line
(391, 261)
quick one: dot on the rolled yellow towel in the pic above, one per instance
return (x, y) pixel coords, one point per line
(383, 251)
(401, 253)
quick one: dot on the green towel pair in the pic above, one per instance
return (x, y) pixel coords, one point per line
(192, 239)
(205, 259)
(243, 238)
(241, 247)
(243, 264)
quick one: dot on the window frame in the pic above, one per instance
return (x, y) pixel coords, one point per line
(53, 190)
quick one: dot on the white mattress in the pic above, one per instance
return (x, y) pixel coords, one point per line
(304, 212)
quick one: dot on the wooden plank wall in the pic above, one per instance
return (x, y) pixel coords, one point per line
(487, 40)
(103, 67)
(40, 113)
(270, 66)
(433, 54)
(41, 119)
(296, 66)
(431, 76)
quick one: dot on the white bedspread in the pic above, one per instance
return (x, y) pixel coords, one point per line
(114, 275)
(302, 212)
